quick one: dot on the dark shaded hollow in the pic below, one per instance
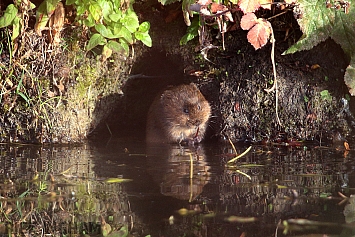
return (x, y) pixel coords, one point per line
(151, 74)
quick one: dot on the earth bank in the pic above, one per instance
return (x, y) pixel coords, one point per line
(64, 95)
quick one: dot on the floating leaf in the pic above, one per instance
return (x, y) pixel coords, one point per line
(240, 219)
(9, 15)
(117, 180)
(123, 232)
(106, 228)
(241, 155)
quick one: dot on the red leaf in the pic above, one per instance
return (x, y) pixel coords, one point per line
(259, 35)
(248, 21)
(204, 2)
(215, 7)
(249, 5)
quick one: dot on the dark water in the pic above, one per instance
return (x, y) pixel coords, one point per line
(176, 191)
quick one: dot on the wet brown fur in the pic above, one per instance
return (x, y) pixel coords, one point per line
(179, 114)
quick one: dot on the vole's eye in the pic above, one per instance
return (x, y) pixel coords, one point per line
(186, 110)
(199, 107)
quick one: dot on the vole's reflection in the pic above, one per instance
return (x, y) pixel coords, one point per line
(182, 171)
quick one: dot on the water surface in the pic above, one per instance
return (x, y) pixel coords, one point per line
(112, 188)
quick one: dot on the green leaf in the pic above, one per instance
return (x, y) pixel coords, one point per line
(115, 46)
(50, 6)
(101, 29)
(90, 21)
(107, 9)
(123, 232)
(130, 21)
(95, 11)
(124, 45)
(70, 2)
(104, 31)
(95, 40)
(325, 95)
(191, 32)
(166, 2)
(16, 28)
(349, 77)
(144, 37)
(115, 17)
(126, 34)
(144, 27)
(316, 23)
(117, 180)
(319, 23)
(9, 15)
(116, 4)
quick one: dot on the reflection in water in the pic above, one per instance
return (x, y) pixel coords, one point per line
(183, 171)
(176, 191)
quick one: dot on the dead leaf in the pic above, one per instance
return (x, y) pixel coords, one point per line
(315, 66)
(346, 145)
(204, 2)
(228, 16)
(61, 86)
(249, 5)
(259, 35)
(215, 7)
(106, 53)
(56, 23)
(43, 14)
(248, 21)
(266, 4)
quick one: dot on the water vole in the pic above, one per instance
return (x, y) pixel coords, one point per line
(179, 114)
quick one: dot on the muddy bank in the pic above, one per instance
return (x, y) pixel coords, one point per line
(64, 94)
(312, 103)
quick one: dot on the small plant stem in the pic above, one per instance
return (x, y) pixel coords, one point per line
(275, 86)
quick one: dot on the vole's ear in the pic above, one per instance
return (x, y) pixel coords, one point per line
(167, 95)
